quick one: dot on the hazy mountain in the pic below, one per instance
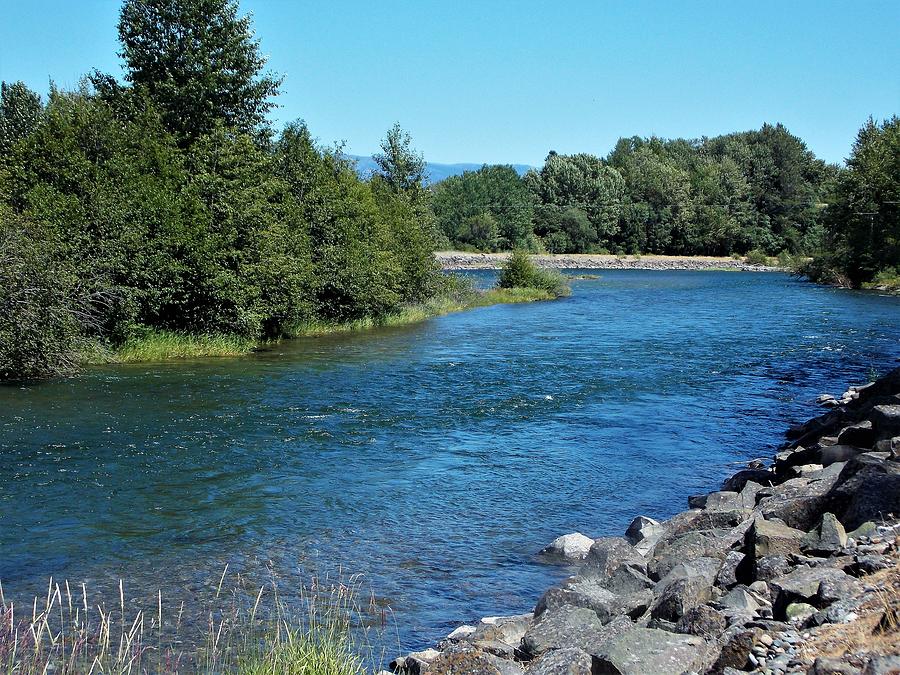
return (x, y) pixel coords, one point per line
(365, 166)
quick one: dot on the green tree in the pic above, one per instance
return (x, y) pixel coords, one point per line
(787, 183)
(20, 111)
(578, 230)
(495, 190)
(199, 62)
(403, 171)
(480, 231)
(582, 181)
(864, 220)
(399, 165)
(657, 215)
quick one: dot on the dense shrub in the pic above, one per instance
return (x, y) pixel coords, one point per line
(519, 272)
(757, 257)
(44, 306)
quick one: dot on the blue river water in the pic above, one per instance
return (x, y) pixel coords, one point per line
(434, 459)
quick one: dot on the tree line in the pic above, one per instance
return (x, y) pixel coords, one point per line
(167, 202)
(757, 191)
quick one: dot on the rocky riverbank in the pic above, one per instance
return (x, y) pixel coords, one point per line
(792, 567)
(456, 260)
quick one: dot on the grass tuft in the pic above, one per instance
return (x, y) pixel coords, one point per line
(67, 632)
(421, 312)
(160, 345)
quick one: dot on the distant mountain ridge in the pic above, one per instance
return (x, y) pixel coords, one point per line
(366, 166)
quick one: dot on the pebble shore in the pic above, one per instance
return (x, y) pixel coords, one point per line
(455, 260)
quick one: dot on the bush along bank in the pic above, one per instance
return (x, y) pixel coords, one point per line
(158, 346)
(792, 567)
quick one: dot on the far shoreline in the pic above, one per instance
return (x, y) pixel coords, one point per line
(452, 261)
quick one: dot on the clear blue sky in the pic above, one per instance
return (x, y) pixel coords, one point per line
(505, 81)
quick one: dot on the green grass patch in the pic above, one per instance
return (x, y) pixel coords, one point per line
(168, 345)
(887, 280)
(421, 312)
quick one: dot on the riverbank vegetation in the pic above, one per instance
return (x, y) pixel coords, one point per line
(325, 630)
(457, 295)
(760, 191)
(519, 272)
(164, 216)
(758, 195)
(862, 227)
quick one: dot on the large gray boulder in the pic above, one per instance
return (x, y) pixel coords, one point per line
(591, 592)
(827, 538)
(882, 665)
(798, 502)
(742, 599)
(569, 548)
(646, 651)
(726, 500)
(835, 454)
(608, 553)
(703, 566)
(700, 520)
(726, 576)
(679, 596)
(738, 481)
(764, 539)
(565, 661)
(415, 662)
(737, 644)
(687, 585)
(802, 586)
(886, 420)
(769, 567)
(571, 627)
(824, 665)
(703, 621)
(861, 435)
(643, 533)
(837, 588)
(767, 537)
(492, 633)
(463, 658)
(867, 489)
(670, 551)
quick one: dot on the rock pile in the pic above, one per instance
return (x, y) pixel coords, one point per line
(756, 577)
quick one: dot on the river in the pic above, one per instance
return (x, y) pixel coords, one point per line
(435, 459)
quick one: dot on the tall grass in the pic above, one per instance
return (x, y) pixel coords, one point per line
(438, 306)
(159, 345)
(326, 632)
